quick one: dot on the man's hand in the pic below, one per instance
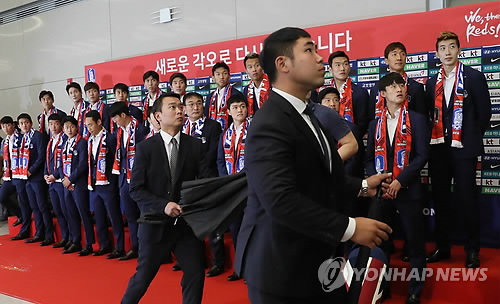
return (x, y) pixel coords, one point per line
(394, 188)
(46, 178)
(66, 183)
(29, 174)
(50, 179)
(173, 209)
(374, 181)
(370, 232)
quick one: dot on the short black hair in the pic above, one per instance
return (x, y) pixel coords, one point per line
(94, 115)
(151, 110)
(159, 102)
(389, 79)
(192, 94)
(6, 120)
(335, 55)
(236, 98)
(75, 85)
(392, 46)
(25, 116)
(326, 91)
(220, 64)
(279, 43)
(250, 56)
(43, 93)
(56, 116)
(70, 119)
(118, 108)
(177, 75)
(149, 74)
(91, 85)
(120, 86)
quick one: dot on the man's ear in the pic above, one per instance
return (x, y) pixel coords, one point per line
(383, 93)
(281, 64)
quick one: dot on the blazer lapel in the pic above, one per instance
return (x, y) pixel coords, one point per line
(182, 155)
(301, 124)
(163, 156)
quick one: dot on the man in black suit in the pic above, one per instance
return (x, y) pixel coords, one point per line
(461, 113)
(162, 163)
(208, 132)
(296, 185)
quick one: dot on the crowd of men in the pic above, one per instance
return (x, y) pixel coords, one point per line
(93, 167)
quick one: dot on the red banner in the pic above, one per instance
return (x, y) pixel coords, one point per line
(476, 25)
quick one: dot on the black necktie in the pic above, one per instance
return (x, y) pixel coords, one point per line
(174, 152)
(308, 111)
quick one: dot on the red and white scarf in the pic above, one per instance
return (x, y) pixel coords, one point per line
(380, 105)
(24, 155)
(150, 134)
(130, 149)
(220, 115)
(346, 110)
(234, 148)
(195, 130)
(10, 160)
(264, 87)
(67, 155)
(41, 120)
(100, 175)
(57, 151)
(146, 103)
(401, 142)
(458, 102)
(81, 116)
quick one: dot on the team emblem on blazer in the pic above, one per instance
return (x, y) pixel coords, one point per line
(466, 94)
(75, 152)
(101, 166)
(457, 119)
(379, 163)
(31, 146)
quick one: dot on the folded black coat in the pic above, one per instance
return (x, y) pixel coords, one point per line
(212, 204)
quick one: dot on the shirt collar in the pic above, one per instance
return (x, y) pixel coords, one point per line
(452, 73)
(167, 137)
(396, 114)
(99, 135)
(298, 104)
(55, 136)
(222, 90)
(127, 127)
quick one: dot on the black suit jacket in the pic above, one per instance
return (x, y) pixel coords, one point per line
(210, 142)
(292, 221)
(360, 109)
(150, 184)
(476, 113)
(410, 176)
(417, 100)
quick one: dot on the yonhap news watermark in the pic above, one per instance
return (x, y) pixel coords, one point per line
(334, 273)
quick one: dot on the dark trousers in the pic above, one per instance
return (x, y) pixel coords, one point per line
(257, 296)
(132, 213)
(77, 204)
(56, 193)
(6, 190)
(465, 208)
(216, 243)
(24, 204)
(189, 252)
(412, 221)
(106, 203)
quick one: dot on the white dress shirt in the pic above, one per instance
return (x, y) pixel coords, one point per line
(95, 144)
(125, 133)
(257, 94)
(69, 142)
(392, 124)
(300, 106)
(54, 141)
(449, 83)
(167, 141)
(220, 95)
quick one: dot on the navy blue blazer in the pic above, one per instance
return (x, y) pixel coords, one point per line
(134, 112)
(417, 100)
(38, 153)
(51, 169)
(476, 113)
(360, 106)
(141, 133)
(79, 165)
(410, 176)
(46, 128)
(206, 107)
(106, 120)
(110, 159)
(210, 143)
